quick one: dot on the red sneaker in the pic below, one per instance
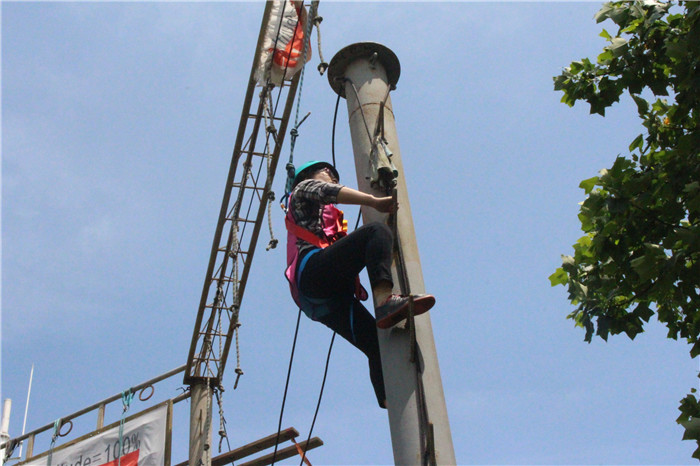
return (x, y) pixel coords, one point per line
(395, 308)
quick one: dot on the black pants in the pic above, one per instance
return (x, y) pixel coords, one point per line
(330, 274)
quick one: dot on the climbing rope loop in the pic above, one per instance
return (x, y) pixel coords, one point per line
(143, 397)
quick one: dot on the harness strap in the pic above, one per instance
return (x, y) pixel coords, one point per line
(303, 262)
(305, 234)
(320, 243)
(301, 452)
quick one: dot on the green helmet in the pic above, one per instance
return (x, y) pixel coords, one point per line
(310, 167)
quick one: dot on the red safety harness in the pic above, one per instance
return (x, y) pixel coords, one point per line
(334, 228)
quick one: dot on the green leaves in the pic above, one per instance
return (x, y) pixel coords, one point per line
(690, 419)
(649, 263)
(642, 105)
(589, 184)
(640, 254)
(618, 46)
(603, 13)
(638, 143)
(559, 277)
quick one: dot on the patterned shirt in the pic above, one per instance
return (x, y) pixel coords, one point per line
(306, 205)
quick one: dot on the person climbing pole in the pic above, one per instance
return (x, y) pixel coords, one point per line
(323, 263)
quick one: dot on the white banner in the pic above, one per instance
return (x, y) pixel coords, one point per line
(143, 440)
(283, 48)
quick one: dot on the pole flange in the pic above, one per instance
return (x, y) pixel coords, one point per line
(367, 50)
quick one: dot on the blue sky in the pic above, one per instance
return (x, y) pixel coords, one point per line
(118, 122)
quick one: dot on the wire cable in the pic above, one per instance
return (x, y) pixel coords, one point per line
(286, 388)
(335, 119)
(320, 395)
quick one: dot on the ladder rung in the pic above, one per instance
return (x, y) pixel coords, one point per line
(263, 155)
(239, 185)
(239, 220)
(255, 115)
(223, 279)
(227, 251)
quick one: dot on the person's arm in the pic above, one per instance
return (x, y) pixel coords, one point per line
(352, 196)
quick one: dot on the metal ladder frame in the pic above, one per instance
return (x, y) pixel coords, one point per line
(217, 317)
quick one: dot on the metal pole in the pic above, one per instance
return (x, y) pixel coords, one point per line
(26, 407)
(363, 73)
(4, 427)
(200, 423)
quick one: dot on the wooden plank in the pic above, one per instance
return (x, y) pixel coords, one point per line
(168, 434)
(284, 453)
(251, 448)
(101, 416)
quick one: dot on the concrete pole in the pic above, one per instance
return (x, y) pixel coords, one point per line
(200, 423)
(373, 69)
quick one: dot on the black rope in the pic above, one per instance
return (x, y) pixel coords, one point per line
(323, 383)
(296, 332)
(335, 118)
(286, 388)
(320, 395)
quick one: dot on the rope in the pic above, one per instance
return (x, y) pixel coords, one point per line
(239, 371)
(269, 119)
(56, 429)
(320, 395)
(271, 130)
(127, 396)
(302, 453)
(220, 389)
(424, 420)
(335, 119)
(307, 34)
(316, 19)
(235, 308)
(295, 130)
(268, 84)
(271, 197)
(286, 388)
(269, 110)
(219, 393)
(362, 112)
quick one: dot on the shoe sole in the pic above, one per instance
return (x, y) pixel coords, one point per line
(420, 306)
